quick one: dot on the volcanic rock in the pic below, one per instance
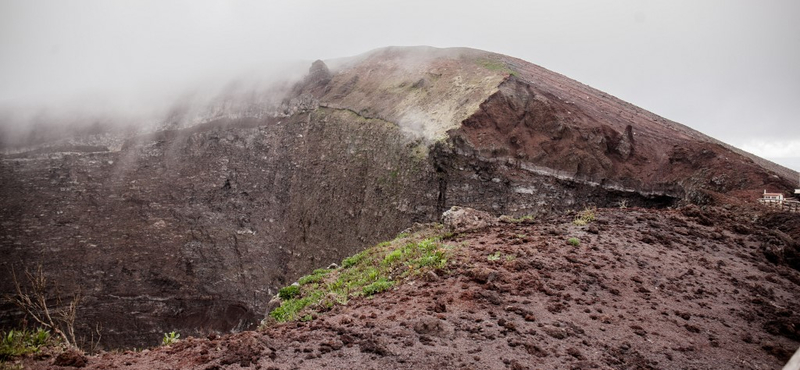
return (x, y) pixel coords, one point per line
(195, 227)
(459, 219)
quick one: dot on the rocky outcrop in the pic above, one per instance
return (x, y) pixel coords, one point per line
(318, 74)
(460, 219)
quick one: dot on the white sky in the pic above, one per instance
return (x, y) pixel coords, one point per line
(729, 68)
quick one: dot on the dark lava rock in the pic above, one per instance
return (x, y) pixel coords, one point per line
(71, 358)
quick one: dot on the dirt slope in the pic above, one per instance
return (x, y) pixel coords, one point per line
(644, 289)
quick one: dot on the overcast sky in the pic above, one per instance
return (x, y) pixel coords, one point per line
(729, 68)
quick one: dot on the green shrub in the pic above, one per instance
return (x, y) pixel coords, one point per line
(289, 292)
(574, 241)
(584, 217)
(401, 236)
(422, 254)
(315, 277)
(16, 343)
(352, 260)
(435, 259)
(494, 256)
(170, 338)
(288, 309)
(379, 286)
(393, 256)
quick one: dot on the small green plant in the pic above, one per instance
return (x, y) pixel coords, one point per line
(315, 277)
(494, 257)
(393, 256)
(17, 343)
(289, 309)
(352, 260)
(510, 257)
(288, 292)
(584, 217)
(574, 242)
(379, 286)
(170, 338)
(526, 218)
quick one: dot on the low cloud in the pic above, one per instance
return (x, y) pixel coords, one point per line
(727, 68)
(785, 152)
(773, 148)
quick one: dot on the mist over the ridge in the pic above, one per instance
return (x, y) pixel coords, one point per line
(151, 108)
(725, 68)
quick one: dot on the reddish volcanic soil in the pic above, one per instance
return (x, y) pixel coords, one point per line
(645, 289)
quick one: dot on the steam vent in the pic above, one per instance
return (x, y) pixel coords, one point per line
(194, 228)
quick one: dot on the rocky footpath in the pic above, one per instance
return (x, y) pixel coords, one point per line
(638, 289)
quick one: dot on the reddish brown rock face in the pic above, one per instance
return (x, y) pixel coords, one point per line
(195, 229)
(530, 125)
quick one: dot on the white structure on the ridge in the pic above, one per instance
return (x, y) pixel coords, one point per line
(776, 200)
(772, 197)
(797, 191)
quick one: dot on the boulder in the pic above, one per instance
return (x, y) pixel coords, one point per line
(460, 219)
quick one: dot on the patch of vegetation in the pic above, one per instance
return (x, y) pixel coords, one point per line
(315, 277)
(425, 253)
(496, 256)
(290, 308)
(497, 66)
(574, 242)
(170, 338)
(365, 274)
(289, 292)
(17, 343)
(526, 218)
(352, 260)
(379, 286)
(584, 217)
